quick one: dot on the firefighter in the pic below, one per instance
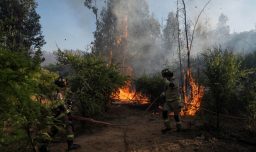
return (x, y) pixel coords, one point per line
(172, 102)
(61, 82)
(63, 123)
(60, 122)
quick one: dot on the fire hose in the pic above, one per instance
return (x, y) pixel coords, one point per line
(84, 119)
(152, 103)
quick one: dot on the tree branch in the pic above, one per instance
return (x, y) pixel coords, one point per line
(193, 32)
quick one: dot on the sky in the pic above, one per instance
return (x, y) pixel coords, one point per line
(68, 24)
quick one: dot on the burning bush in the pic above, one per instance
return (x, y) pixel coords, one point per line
(128, 94)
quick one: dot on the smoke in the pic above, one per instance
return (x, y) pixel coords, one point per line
(49, 58)
(142, 36)
(84, 21)
(82, 15)
(243, 42)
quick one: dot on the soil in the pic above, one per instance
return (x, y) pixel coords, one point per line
(141, 132)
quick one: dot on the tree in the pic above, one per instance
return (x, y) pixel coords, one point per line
(170, 32)
(18, 112)
(105, 34)
(223, 31)
(142, 38)
(248, 93)
(20, 56)
(190, 37)
(19, 26)
(89, 4)
(126, 33)
(223, 71)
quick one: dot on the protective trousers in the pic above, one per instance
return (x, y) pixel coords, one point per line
(167, 122)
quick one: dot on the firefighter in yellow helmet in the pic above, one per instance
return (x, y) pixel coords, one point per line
(172, 101)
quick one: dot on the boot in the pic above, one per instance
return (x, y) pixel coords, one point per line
(178, 127)
(72, 146)
(167, 127)
(43, 148)
(178, 122)
(166, 130)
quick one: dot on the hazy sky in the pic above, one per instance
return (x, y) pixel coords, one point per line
(70, 25)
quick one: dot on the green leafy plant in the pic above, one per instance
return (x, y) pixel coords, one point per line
(92, 81)
(151, 86)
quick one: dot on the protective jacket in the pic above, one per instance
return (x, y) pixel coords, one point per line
(172, 98)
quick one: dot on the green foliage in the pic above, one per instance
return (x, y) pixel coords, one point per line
(20, 33)
(249, 87)
(92, 82)
(106, 32)
(249, 60)
(19, 82)
(223, 73)
(20, 30)
(151, 86)
(252, 115)
(44, 80)
(16, 89)
(231, 80)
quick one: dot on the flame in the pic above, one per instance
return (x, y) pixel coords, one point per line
(192, 99)
(127, 94)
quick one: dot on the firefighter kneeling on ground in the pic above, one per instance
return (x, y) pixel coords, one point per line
(59, 122)
(172, 102)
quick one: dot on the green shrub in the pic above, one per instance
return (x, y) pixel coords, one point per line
(91, 80)
(151, 86)
(18, 111)
(231, 85)
(222, 69)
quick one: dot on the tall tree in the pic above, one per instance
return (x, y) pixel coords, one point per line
(105, 34)
(127, 33)
(170, 32)
(20, 29)
(223, 72)
(223, 31)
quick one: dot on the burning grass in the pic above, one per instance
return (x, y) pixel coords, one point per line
(127, 94)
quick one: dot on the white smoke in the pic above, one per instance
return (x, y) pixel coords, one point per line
(49, 58)
(145, 51)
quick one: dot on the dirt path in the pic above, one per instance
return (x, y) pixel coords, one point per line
(142, 134)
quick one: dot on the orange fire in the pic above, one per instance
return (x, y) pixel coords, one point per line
(127, 94)
(192, 99)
